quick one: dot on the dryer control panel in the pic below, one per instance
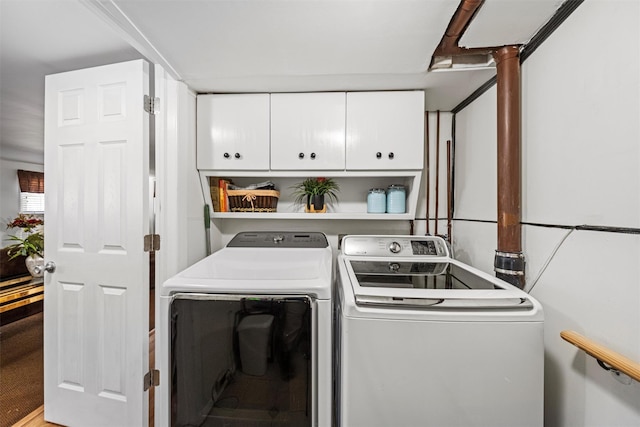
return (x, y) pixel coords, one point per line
(278, 239)
(392, 246)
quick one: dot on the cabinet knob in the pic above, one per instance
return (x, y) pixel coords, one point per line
(237, 155)
(378, 155)
(313, 155)
(226, 155)
(391, 155)
(301, 156)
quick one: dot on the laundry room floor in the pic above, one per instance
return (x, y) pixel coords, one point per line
(244, 398)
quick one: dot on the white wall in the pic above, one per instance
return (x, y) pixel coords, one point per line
(581, 165)
(180, 206)
(10, 193)
(436, 151)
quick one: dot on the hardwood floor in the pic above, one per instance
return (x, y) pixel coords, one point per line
(36, 418)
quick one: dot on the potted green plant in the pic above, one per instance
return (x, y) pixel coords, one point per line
(31, 246)
(312, 192)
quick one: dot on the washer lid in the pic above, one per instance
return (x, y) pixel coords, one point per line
(414, 284)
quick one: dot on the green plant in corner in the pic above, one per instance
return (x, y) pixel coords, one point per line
(320, 186)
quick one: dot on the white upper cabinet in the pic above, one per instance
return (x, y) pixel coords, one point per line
(308, 131)
(385, 130)
(233, 132)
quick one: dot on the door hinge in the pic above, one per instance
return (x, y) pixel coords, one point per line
(151, 379)
(151, 105)
(151, 242)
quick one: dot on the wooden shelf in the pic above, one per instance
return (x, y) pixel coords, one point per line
(311, 216)
(354, 187)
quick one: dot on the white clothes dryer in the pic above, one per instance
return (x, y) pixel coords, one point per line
(245, 335)
(425, 340)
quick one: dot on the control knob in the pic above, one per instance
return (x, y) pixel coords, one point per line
(395, 247)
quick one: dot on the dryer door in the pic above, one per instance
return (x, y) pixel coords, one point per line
(241, 360)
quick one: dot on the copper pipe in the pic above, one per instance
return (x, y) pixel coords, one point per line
(437, 166)
(509, 176)
(459, 23)
(427, 167)
(461, 19)
(449, 189)
(509, 260)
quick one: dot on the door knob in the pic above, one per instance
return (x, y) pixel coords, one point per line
(313, 155)
(49, 267)
(237, 155)
(301, 156)
(226, 155)
(378, 155)
(391, 155)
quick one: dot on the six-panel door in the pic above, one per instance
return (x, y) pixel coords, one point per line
(96, 329)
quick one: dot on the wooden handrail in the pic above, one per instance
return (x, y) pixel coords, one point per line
(603, 354)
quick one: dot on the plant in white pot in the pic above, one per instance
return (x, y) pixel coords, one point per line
(314, 191)
(32, 246)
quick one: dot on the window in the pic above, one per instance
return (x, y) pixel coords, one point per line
(31, 191)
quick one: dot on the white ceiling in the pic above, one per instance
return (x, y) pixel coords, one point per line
(244, 46)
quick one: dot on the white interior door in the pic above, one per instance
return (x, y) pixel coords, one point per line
(97, 300)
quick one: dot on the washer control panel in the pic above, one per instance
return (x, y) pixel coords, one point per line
(394, 246)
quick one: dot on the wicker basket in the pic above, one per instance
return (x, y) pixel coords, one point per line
(253, 200)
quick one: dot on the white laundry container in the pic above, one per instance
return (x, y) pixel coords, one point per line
(254, 335)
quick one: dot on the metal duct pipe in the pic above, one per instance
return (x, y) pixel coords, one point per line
(509, 260)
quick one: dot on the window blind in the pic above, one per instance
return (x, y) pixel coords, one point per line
(31, 202)
(31, 191)
(31, 182)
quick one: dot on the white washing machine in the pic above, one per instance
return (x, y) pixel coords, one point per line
(425, 340)
(245, 335)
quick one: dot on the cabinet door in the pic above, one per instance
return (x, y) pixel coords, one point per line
(385, 130)
(233, 132)
(308, 131)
